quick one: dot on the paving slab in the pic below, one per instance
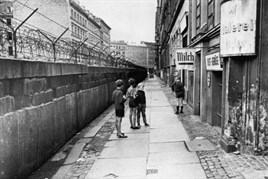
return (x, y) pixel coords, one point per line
(125, 151)
(188, 171)
(162, 108)
(200, 145)
(172, 158)
(250, 174)
(166, 147)
(168, 135)
(123, 168)
(163, 120)
(118, 143)
(74, 154)
(131, 136)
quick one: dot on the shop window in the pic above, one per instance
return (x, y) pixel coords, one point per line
(211, 13)
(198, 14)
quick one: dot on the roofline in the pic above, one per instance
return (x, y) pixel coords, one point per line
(77, 7)
(102, 21)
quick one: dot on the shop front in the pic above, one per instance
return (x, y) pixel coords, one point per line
(214, 89)
(185, 69)
(240, 112)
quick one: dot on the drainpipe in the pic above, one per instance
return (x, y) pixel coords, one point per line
(258, 81)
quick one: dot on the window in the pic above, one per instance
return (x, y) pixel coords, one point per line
(198, 14)
(211, 12)
(72, 13)
(184, 41)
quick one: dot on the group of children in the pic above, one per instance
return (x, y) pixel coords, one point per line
(137, 105)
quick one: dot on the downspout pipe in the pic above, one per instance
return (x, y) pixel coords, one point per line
(259, 69)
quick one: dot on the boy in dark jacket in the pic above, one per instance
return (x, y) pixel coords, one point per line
(141, 101)
(178, 87)
(119, 99)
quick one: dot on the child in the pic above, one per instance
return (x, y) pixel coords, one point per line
(131, 94)
(119, 100)
(141, 101)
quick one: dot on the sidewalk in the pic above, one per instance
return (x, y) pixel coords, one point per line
(157, 151)
(163, 150)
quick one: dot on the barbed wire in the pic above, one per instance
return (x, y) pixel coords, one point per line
(57, 22)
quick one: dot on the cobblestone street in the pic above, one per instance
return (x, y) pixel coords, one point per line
(218, 164)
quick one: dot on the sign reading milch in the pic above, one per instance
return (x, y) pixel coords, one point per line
(185, 55)
(238, 27)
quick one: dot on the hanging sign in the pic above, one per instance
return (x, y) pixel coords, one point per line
(185, 55)
(213, 62)
(238, 27)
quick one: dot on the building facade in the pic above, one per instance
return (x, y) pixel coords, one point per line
(221, 62)
(54, 17)
(118, 48)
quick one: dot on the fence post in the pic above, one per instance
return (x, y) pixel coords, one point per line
(15, 32)
(53, 42)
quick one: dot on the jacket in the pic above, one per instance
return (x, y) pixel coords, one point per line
(178, 88)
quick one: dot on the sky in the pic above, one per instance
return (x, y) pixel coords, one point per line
(130, 20)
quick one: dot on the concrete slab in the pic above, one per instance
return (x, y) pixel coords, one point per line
(164, 121)
(188, 171)
(114, 168)
(85, 140)
(200, 145)
(251, 173)
(92, 131)
(166, 147)
(130, 143)
(124, 151)
(61, 172)
(168, 135)
(131, 136)
(172, 158)
(163, 108)
(74, 154)
(160, 103)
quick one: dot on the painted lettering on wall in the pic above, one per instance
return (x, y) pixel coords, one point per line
(238, 27)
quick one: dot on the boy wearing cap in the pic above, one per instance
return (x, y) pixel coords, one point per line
(141, 101)
(119, 100)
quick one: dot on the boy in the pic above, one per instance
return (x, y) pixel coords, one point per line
(119, 100)
(178, 87)
(141, 101)
(131, 94)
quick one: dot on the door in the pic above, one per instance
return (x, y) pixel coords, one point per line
(217, 99)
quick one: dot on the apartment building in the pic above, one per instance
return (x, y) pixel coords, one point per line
(54, 17)
(222, 64)
(118, 48)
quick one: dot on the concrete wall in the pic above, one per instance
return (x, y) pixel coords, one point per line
(42, 105)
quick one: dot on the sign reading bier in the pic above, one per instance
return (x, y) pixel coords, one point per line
(238, 27)
(185, 55)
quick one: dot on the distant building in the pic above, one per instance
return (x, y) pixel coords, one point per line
(137, 54)
(118, 48)
(141, 54)
(66, 14)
